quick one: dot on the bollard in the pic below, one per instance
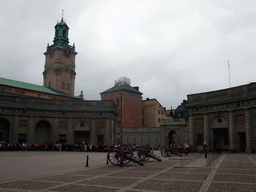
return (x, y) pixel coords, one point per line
(107, 158)
(87, 159)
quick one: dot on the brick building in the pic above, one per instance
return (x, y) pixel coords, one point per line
(128, 101)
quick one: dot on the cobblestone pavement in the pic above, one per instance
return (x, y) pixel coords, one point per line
(66, 171)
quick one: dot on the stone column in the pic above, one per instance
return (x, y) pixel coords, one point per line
(15, 131)
(107, 131)
(55, 130)
(191, 131)
(206, 130)
(70, 138)
(111, 132)
(31, 130)
(248, 131)
(93, 131)
(232, 145)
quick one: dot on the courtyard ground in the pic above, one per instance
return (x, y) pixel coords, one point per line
(67, 171)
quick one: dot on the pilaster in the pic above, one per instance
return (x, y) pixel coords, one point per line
(206, 129)
(107, 131)
(15, 129)
(55, 130)
(248, 132)
(31, 130)
(191, 131)
(70, 136)
(232, 145)
(93, 131)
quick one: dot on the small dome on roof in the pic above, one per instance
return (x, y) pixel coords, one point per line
(61, 23)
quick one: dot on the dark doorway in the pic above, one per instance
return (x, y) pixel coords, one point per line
(242, 139)
(22, 138)
(4, 130)
(43, 132)
(221, 138)
(81, 136)
(62, 138)
(171, 140)
(100, 138)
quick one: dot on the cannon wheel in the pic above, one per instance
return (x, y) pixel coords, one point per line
(115, 158)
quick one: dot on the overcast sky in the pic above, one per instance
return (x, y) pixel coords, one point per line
(169, 48)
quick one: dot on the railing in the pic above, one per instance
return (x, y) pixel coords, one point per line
(188, 157)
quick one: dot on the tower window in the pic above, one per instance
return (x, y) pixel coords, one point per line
(63, 85)
(67, 86)
(49, 85)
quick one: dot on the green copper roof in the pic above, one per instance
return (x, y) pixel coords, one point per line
(62, 23)
(23, 85)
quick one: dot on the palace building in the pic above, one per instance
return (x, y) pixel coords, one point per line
(225, 119)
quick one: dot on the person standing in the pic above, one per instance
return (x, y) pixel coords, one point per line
(205, 150)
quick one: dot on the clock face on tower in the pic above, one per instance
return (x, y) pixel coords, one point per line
(67, 53)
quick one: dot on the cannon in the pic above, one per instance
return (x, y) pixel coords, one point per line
(117, 157)
(145, 154)
(167, 151)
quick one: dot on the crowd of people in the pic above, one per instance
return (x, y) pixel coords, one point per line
(56, 146)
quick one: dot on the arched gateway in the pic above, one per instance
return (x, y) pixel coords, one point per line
(4, 130)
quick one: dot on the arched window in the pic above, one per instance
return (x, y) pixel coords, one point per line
(67, 86)
(49, 84)
(63, 85)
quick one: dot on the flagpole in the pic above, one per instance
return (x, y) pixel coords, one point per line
(229, 74)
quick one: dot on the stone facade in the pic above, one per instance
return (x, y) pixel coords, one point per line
(26, 119)
(224, 118)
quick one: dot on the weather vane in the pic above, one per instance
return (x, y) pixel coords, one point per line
(62, 14)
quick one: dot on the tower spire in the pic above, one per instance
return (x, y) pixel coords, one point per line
(62, 14)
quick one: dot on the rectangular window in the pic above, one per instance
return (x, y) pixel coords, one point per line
(159, 120)
(63, 124)
(240, 119)
(199, 122)
(100, 138)
(62, 138)
(200, 139)
(23, 123)
(100, 125)
(22, 138)
(158, 112)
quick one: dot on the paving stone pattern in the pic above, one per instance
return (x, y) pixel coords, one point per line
(229, 172)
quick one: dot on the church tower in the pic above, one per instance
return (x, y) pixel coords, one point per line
(59, 70)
